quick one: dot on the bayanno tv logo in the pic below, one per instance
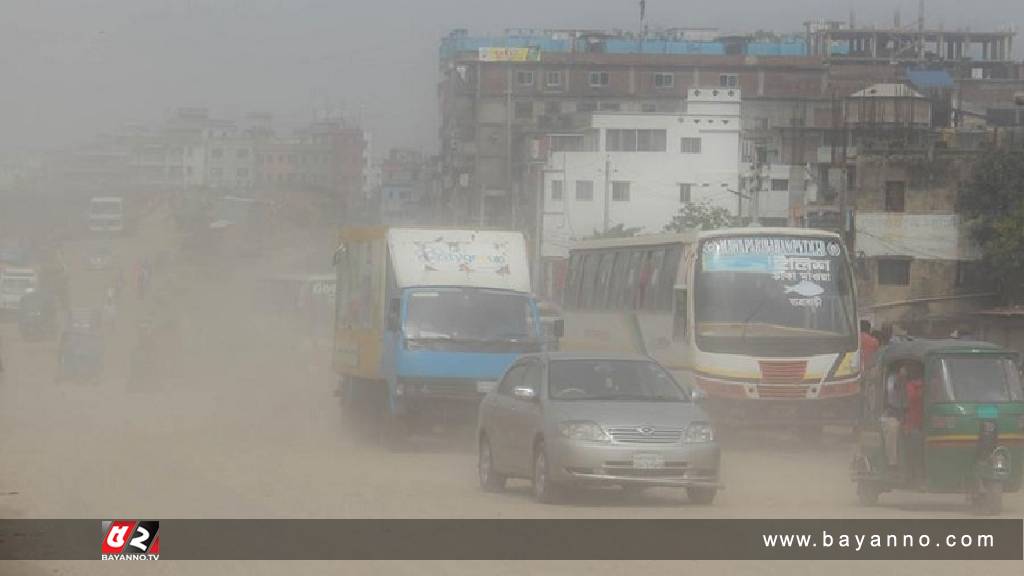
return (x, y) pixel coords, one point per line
(130, 540)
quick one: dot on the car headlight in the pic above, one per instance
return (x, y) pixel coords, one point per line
(699, 432)
(584, 431)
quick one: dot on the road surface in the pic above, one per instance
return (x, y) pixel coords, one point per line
(246, 425)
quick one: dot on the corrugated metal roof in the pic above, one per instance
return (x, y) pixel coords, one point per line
(887, 91)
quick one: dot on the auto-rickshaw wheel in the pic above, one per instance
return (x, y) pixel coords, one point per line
(990, 500)
(868, 492)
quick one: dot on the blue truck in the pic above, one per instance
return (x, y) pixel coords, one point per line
(426, 322)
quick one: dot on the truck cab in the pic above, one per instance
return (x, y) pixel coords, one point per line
(428, 320)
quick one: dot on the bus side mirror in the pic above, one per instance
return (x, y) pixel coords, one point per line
(394, 311)
(559, 328)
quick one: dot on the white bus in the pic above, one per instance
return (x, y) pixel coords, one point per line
(106, 214)
(761, 320)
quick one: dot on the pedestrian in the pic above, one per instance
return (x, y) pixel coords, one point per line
(868, 344)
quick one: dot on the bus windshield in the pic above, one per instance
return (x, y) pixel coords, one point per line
(762, 294)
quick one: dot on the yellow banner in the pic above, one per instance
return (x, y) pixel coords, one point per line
(509, 54)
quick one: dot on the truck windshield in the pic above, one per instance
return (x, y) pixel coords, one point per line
(469, 314)
(17, 284)
(773, 295)
(626, 380)
(980, 379)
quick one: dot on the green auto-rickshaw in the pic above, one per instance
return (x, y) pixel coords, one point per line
(965, 436)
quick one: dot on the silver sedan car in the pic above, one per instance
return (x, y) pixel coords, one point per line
(563, 419)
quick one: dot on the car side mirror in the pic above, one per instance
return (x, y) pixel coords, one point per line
(394, 311)
(559, 328)
(524, 393)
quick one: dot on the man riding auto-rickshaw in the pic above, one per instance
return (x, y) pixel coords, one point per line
(942, 416)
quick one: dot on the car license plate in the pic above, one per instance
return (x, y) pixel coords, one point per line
(648, 461)
(485, 386)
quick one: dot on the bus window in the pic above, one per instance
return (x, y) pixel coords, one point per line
(651, 272)
(635, 262)
(590, 262)
(604, 277)
(667, 277)
(620, 281)
(572, 285)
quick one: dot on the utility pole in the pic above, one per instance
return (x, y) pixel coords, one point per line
(607, 191)
(508, 120)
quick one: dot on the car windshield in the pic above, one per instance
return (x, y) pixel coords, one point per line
(980, 379)
(469, 314)
(635, 380)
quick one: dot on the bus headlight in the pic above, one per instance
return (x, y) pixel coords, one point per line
(698, 432)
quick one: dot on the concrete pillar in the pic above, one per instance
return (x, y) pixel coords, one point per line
(984, 50)
(874, 46)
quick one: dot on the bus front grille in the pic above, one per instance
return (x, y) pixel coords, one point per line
(782, 391)
(782, 372)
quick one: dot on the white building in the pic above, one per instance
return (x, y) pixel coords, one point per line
(638, 170)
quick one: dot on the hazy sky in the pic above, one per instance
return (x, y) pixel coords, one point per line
(72, 68)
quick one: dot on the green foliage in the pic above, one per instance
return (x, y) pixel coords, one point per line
(617, 231)
(993, 206)
(701, 216)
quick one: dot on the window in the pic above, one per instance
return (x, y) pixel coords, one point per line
(243, 172)
(635, 140)
(895, 196)
(728, 80)
(567, 143)
(598, 79)
(648, 107)
(524, 77)
(217, 153)
(685, 191)
(243, 153)
(663, 80)
(780, 185)
(553, 78)
(513, 379)
(552, 107)
(894, 271)
(585, 190)
(557, 190)
(586, 106)
(689, 145)
(216, 172)
(610, 106)
(620, 191)
(524, 110)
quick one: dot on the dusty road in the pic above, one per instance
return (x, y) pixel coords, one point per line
(246, 426)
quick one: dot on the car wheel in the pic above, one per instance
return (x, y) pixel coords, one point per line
(701, 494)
(490, 480)
(544, 490)
(867, 493)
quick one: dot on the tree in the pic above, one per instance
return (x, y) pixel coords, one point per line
(993, 206)
(617, 231)
(700, 216)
